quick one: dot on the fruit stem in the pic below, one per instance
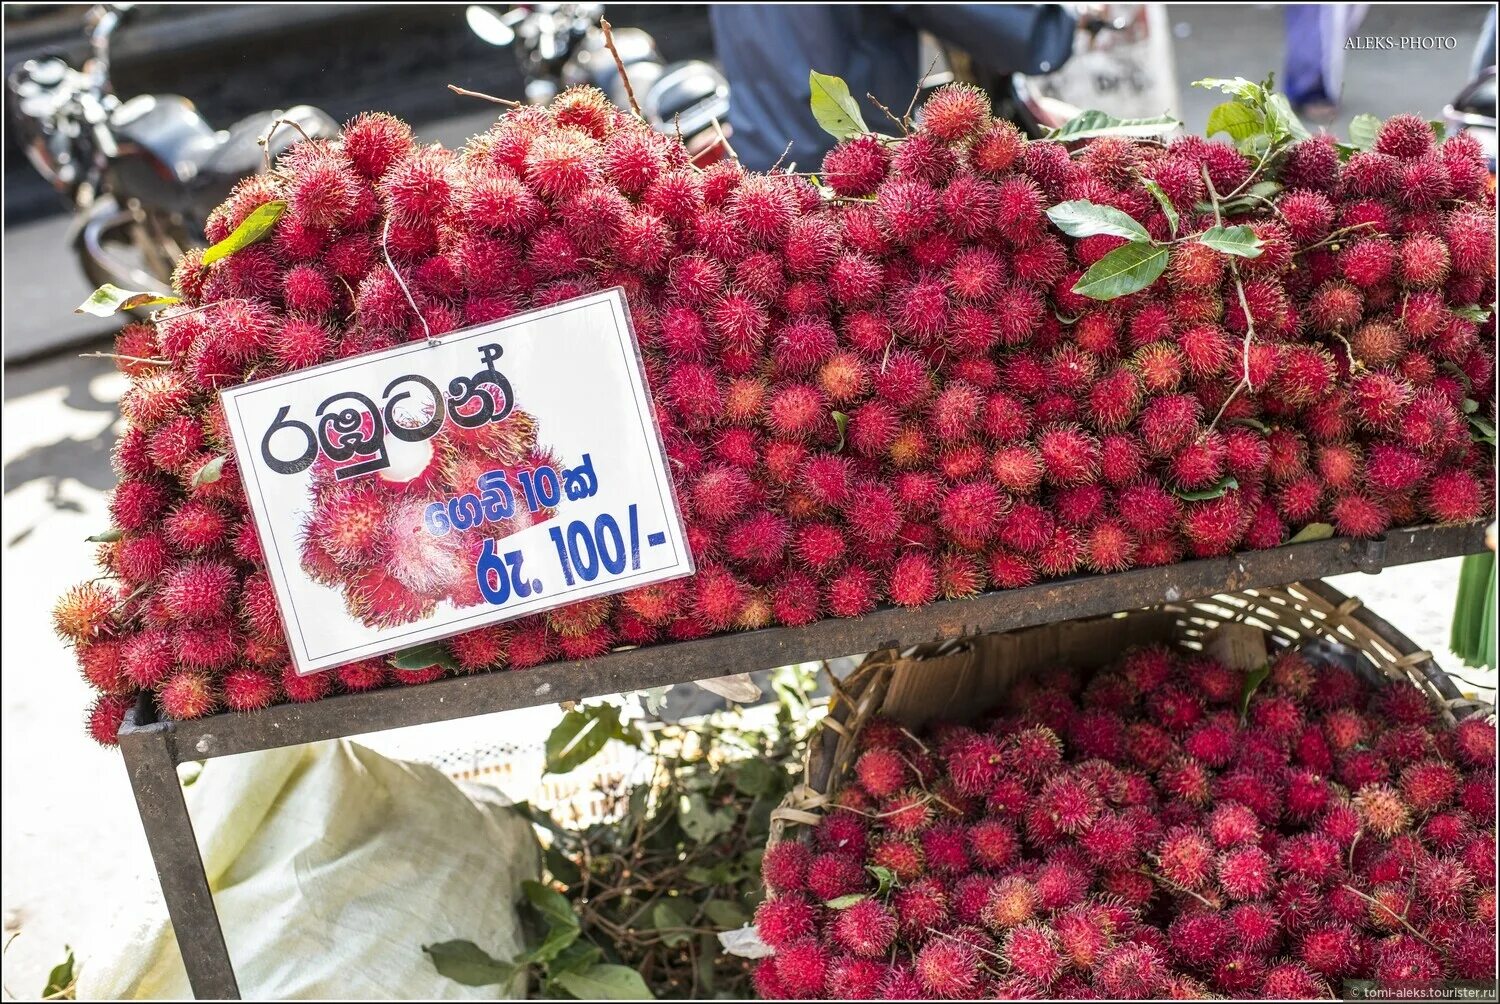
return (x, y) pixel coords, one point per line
(1375, 902)
(465, 92)
(609, 43)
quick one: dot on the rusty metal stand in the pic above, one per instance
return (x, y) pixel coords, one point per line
(153, 749)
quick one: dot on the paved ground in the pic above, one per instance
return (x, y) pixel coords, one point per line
(71, 841)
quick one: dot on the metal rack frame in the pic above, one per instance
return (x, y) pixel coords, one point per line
(153, 749)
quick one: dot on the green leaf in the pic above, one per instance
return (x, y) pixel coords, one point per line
(842, 421)
(1167, 209)
(726, 915)
(834, 107)
(1237, 240)
(551, 904)
(251, 229)
(1473, 312)
(60, 980)
(1238, 120)
(605, 982)
(1245, 90)
(845, 902)
(1126, 269)
(754, 777)
(210, 472)
(1082, 218)
(109, 536)
(560, 866)
(1363, 129)
(1223, 485)
(557, 939)
(580, 735)
(1091, 124)
(1484, 429)
(884, 878)
(432, 653)
(465, 962)
(1312, 531)
(667, 916)
(1255, 146)
(701, 823)
(109, 300)
(1470, 406)
(1253, 680)
(576, 957)
(1283, 120)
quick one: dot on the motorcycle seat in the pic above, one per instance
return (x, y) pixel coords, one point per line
(239, 153)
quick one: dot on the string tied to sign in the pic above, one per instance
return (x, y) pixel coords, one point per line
(385, 249)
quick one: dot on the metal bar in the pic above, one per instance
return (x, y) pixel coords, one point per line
(661, 665)
(179, 867)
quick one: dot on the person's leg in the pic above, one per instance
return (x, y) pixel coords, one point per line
(1302, 78)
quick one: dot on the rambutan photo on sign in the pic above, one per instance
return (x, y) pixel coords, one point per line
(413, 493)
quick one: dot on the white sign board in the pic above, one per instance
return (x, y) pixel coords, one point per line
(433, 488)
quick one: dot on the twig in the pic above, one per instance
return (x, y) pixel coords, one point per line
(609, 43)
(723, 139)
(920, 81)
(1375, 902)
(116, 355)
(265, 141)
(888, 113)
(1239, 287)
(945, 934)
(1337, 234)
(1173, 885)
(466, 93)
(784, 152)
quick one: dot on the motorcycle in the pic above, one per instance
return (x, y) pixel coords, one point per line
(1473, 111)
(1122, 64)
(140, 174)
(558, 45)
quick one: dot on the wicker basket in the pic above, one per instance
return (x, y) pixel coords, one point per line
(956, 680)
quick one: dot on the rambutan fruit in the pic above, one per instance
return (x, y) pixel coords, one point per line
(1455, 496)
(856, 168)
(1356, 515)
(1471, 952)
(1382, 810)
(784, 920)
(956, 112)
(1428, 786)
(802, 968)
(185, 695)
(1422, 261)
(1402, 963)
(1185, 857)
(106, 715)
(1309, 215)
(84, 612)
(1131, 971)
(1474, 741)
(1443, 885)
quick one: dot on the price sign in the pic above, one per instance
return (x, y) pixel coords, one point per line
(503, 470)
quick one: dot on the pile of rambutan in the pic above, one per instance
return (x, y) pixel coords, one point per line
(876, 387)
(1140, 832)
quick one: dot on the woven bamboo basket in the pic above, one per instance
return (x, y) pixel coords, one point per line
(960, 679)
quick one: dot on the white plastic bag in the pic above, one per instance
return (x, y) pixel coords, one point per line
(331, 867)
